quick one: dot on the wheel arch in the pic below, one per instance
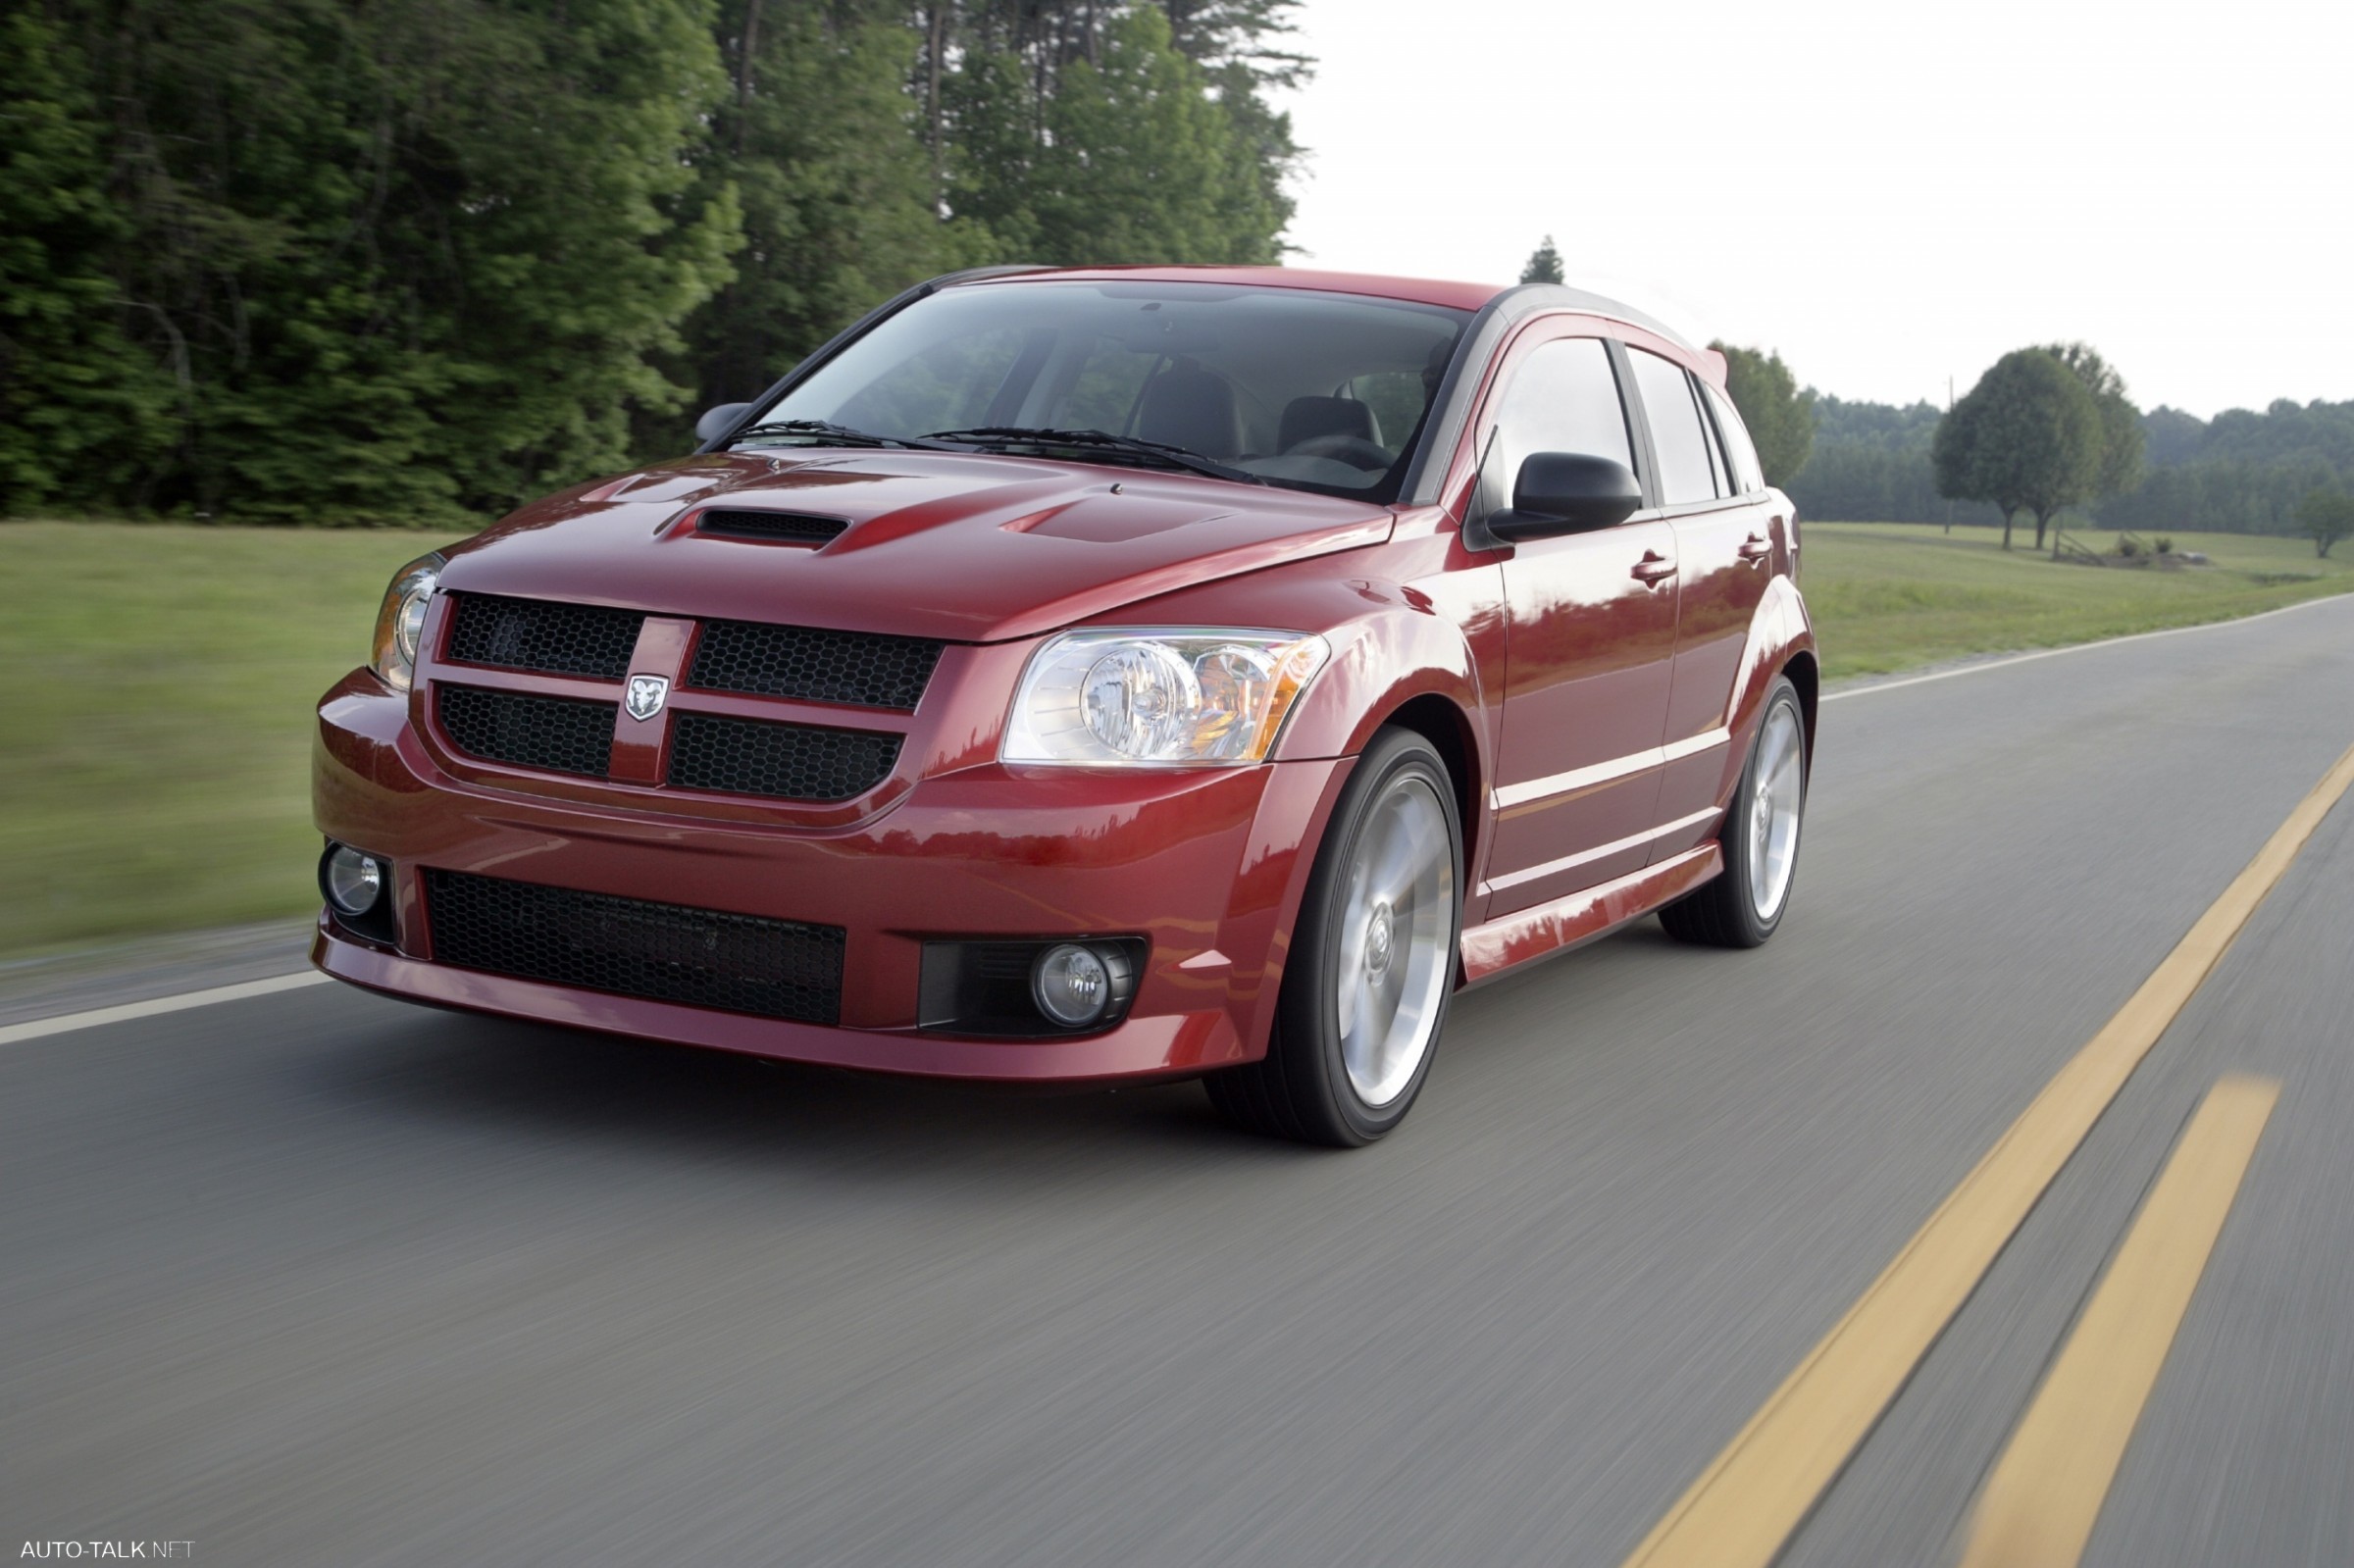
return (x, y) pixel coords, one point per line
(1806, 675)
(1438, 720)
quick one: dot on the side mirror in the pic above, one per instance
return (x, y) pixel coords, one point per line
(717, 422)
(1567, 493)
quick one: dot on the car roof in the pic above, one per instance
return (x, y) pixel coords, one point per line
(1415, 290)
(1412, 290)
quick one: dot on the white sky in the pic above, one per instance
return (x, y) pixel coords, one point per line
(1887, 193)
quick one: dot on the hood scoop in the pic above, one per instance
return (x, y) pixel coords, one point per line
(768, 527)
(932, 545)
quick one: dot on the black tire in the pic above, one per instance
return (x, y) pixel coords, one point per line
(1303, 1089)
(1725, 912)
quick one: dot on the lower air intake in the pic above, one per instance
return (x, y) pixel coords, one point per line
(633, 947)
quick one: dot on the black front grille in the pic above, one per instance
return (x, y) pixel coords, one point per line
(635, 947)
(561, 734)
(785, 527)
(789, 761)
(555, 638)
(813, 665)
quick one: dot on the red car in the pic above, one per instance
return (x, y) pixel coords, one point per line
(1097, 676)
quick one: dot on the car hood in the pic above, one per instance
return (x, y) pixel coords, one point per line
(963, 548)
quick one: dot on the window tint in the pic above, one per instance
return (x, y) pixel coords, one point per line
(1676, 437)
(951, 383)
(1562, 398)
(1748, 477)
(1224, 369)
(1718, 475)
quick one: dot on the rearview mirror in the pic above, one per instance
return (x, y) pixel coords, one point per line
(1567, 493)
(717, 422)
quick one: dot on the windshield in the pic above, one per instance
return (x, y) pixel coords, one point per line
(1311, 391)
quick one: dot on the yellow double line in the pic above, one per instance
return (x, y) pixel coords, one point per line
(2038, 1507)
(1745, 1506)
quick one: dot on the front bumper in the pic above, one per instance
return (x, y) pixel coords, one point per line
(1207, 866)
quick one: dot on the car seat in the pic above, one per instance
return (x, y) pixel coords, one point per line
(1187, 406)
(1306, 418)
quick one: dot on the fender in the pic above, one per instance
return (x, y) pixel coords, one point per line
(1778, 631)
(1381, 661)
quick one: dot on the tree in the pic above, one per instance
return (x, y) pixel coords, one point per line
(1544, 264)
(2027, 438)
(1780, 418)
(815, 133)
(1081, 135)
(1141, 165)
(413, 260)
(392, 262)
(70, 382)
(2242, 473)
(2121, 421)
(2326, 515)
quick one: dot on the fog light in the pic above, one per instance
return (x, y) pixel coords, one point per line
(1076, 985)
(352, 881)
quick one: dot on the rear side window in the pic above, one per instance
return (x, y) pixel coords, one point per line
(1686, 474)
(1563, 398)
(1718, 473)
(1748, 477)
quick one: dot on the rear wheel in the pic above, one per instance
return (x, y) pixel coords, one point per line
(1372, 960)
(1760, 838)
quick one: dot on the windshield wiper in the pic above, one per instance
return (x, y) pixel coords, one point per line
(834, 435)
(988, 435)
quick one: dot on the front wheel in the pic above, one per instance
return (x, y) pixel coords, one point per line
(1760, 838)
(1372, 959)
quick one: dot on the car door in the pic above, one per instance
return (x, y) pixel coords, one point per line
(1590, 637)
(1725, 537)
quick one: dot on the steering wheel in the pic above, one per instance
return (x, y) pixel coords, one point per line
(1353, 451)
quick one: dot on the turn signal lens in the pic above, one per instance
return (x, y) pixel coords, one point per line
(1172, 698)
(400, 620)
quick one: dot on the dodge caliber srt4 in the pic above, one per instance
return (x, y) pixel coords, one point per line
(1099, 675)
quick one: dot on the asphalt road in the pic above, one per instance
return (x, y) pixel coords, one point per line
(321, 1279)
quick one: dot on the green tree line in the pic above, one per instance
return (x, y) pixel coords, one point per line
(2243, 472)
(415, 260)
(1871, 463)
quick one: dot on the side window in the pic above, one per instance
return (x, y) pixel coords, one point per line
(1748, 477)
(1720, 474)
(1562, 398)
(1686, 474)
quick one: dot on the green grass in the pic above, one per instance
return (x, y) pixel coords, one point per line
(155, 735)
(1889, 596)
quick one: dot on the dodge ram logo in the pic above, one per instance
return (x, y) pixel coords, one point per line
(646, 693)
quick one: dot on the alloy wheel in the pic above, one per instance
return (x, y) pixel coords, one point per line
(1398, 915)
(1777, 792)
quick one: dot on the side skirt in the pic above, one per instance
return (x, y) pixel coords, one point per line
(1582, 916)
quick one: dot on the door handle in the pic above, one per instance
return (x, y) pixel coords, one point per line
(1654, 569)
(1757, 547)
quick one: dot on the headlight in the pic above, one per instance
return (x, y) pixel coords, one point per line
(400, 622)
(1155, 698)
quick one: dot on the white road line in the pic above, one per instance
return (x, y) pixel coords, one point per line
(2077, 647)
(15, 1033)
